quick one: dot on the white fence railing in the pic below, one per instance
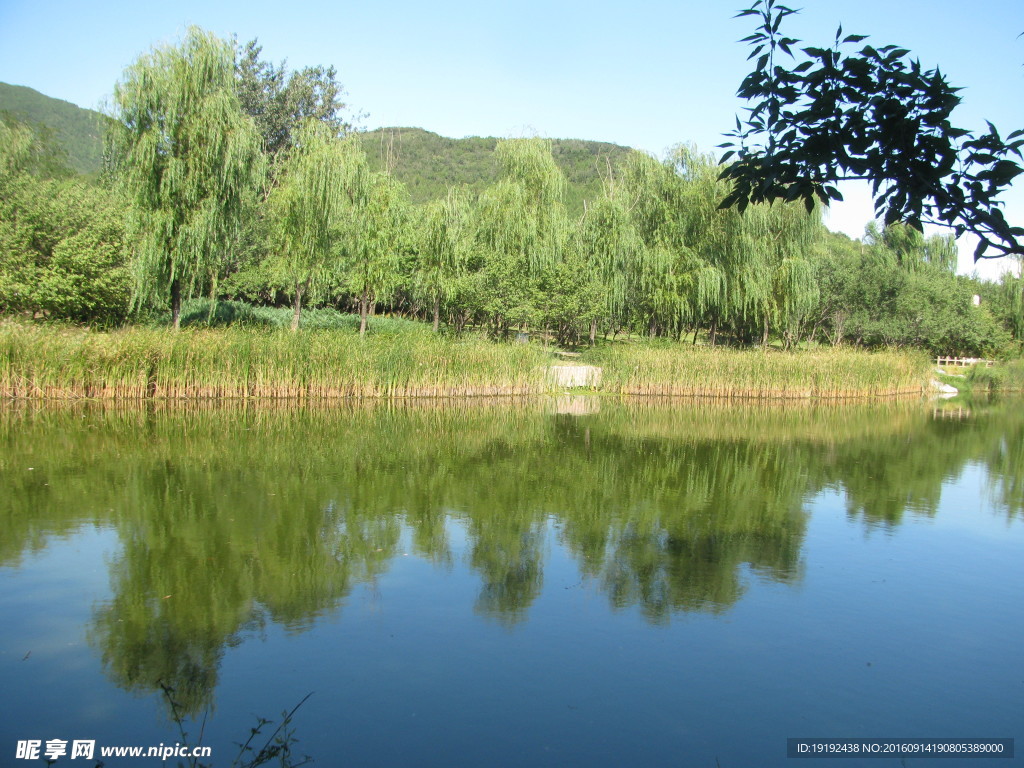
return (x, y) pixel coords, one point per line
(964, 361)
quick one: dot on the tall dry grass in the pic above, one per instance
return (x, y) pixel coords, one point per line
(45, 362)
(40, 361)
(717, 372)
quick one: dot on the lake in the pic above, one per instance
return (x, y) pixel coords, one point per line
(550, 581)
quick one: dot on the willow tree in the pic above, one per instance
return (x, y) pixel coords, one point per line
(753, 270)
(677, 282)
(521, 226)
(910, 249)
(1011, 291)
(310, 206)
(185, 155)
(368, 261)
(612, 247)
(608, 244)
(443, 249)
(779, 287)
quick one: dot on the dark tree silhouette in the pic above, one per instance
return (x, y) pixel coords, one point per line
(837, 114)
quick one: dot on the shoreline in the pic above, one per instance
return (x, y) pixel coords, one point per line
(42, 363)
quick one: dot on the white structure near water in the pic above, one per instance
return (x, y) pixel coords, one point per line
(569, 376)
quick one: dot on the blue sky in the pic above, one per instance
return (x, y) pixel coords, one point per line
(647, 74)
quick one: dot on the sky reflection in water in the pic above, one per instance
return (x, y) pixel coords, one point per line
(538, 582)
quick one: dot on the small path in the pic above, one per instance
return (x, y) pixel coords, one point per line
(575, 376)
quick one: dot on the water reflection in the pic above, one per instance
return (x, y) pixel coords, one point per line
(231, 517)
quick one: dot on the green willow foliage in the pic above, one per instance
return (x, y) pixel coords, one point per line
(1013, 295)
(372, 243)
(702, 266)
(309, 208)
(444, 250)
(184, 155)
(522, 231)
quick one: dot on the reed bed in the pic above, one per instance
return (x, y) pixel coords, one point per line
(45, 362)
(716, 372)
(51, 362)
(1002, 377)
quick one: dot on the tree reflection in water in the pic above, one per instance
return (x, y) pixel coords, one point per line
(233, 516)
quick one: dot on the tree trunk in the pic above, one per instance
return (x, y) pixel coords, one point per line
(714, 331)
(764, 336)
(176, 303)
(593, 332)
(793, 334)
(437, 313)
(364, 306)
(213, 302)
(297, 305)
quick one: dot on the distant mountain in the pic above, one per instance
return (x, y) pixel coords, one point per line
(425, 162)
(428, 163)
(79, 131)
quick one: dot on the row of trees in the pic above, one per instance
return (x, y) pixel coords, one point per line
(231, 177)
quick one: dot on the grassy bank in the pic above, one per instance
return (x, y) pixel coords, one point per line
(716, 372)
(1003, 377)
(38, 361)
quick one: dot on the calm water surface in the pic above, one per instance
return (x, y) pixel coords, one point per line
(548, 582)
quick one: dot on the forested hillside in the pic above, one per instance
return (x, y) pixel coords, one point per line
(428, 164)
(78, 131)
